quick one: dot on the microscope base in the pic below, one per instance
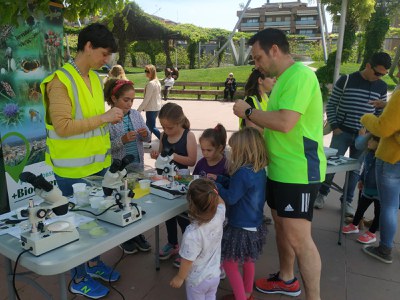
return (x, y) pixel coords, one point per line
(166, 191)
(121, 217)
(46, 241)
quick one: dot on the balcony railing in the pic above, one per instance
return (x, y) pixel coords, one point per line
(281, 23)
(250, 24)
(306, 22)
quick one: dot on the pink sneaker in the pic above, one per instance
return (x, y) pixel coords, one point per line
(367, 238)
(350, 229)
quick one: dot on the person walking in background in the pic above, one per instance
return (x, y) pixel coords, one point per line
(77, 132)
(201, 243)
(152, 99)
(230, 87)
(168, 84)
(297, 162)
(127, 138)
(244, 195)
(387, 127)
(116, 72)
(256, 92)
(345, 107)
(369, 194)
(178, 138)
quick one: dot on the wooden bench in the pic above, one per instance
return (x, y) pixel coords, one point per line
(201, 88)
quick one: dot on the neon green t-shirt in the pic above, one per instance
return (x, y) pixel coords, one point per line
(298, 155)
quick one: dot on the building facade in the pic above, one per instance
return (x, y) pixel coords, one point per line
(292, 17)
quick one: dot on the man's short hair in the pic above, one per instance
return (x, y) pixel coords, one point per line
(269, 37)
(99, 36)
(381, 59)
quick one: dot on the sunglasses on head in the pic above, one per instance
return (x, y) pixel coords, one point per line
(146, 71)
(376, 73)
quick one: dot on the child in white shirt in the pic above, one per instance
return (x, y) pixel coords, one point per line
(201, 242)
(168, 84)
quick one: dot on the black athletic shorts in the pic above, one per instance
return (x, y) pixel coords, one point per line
(292, 200)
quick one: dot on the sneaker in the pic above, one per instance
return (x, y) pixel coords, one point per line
(320, 201)
(147, 145)
(222, 275)
(89, 287)
(275, 285)
(168, 250)
(141, 243)
(381, 253)
(103, 272)
(349, 210)
(367, 238)
(177, 262)
(351, 228)
(129, 247)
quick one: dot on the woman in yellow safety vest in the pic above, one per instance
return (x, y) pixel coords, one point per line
(256, 89)
(78, 141)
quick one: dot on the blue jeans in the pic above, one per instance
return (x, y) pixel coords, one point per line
(151, 117)
(65, 185)
(388, 182)
(342, 142)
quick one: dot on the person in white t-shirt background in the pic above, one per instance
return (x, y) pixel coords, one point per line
(168, 84)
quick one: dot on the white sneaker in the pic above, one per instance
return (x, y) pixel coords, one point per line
(320, 201)
(349, 210)
(147, 145)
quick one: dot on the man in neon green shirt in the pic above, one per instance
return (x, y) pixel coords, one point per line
(294, 141)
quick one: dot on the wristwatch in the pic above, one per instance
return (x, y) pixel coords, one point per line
(248, 112)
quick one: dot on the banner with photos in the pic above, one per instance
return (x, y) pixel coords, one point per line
(29, 52)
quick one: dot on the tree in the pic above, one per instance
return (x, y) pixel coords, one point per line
(359, 12)
(74, 9)
(378, 27)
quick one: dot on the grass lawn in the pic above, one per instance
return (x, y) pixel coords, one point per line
(241, 74)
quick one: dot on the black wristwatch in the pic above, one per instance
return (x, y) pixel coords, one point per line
(248, 112)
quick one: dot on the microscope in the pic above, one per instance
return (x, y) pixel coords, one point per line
(43, 238)
(115, 187)
(170, 188)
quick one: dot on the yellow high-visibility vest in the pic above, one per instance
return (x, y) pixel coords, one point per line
(83, 154)
(258, 105)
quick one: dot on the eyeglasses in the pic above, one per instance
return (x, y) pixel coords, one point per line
(146, 71)
(376, 73)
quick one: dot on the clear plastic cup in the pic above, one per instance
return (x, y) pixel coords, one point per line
(144, 184)
(131, 179)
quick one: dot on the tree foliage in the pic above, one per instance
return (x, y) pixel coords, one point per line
(358, 13)
(74, 9)
(375, 34)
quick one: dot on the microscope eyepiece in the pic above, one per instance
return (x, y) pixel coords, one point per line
(38, 182)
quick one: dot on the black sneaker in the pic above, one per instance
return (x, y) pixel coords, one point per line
(129, 247)
(141, 243)
(381, 253)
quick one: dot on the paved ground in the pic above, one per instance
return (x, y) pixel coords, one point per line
(348, 274)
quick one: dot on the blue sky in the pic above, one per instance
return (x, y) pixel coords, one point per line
(203, 13)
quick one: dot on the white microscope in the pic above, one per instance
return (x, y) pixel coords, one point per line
(43, 238)
(113, 183)
(170, 188)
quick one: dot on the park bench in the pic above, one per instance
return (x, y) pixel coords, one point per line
(215, 89)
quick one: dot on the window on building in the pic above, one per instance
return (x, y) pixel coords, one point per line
(269, 19)
(278, 19)
(252, 20)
